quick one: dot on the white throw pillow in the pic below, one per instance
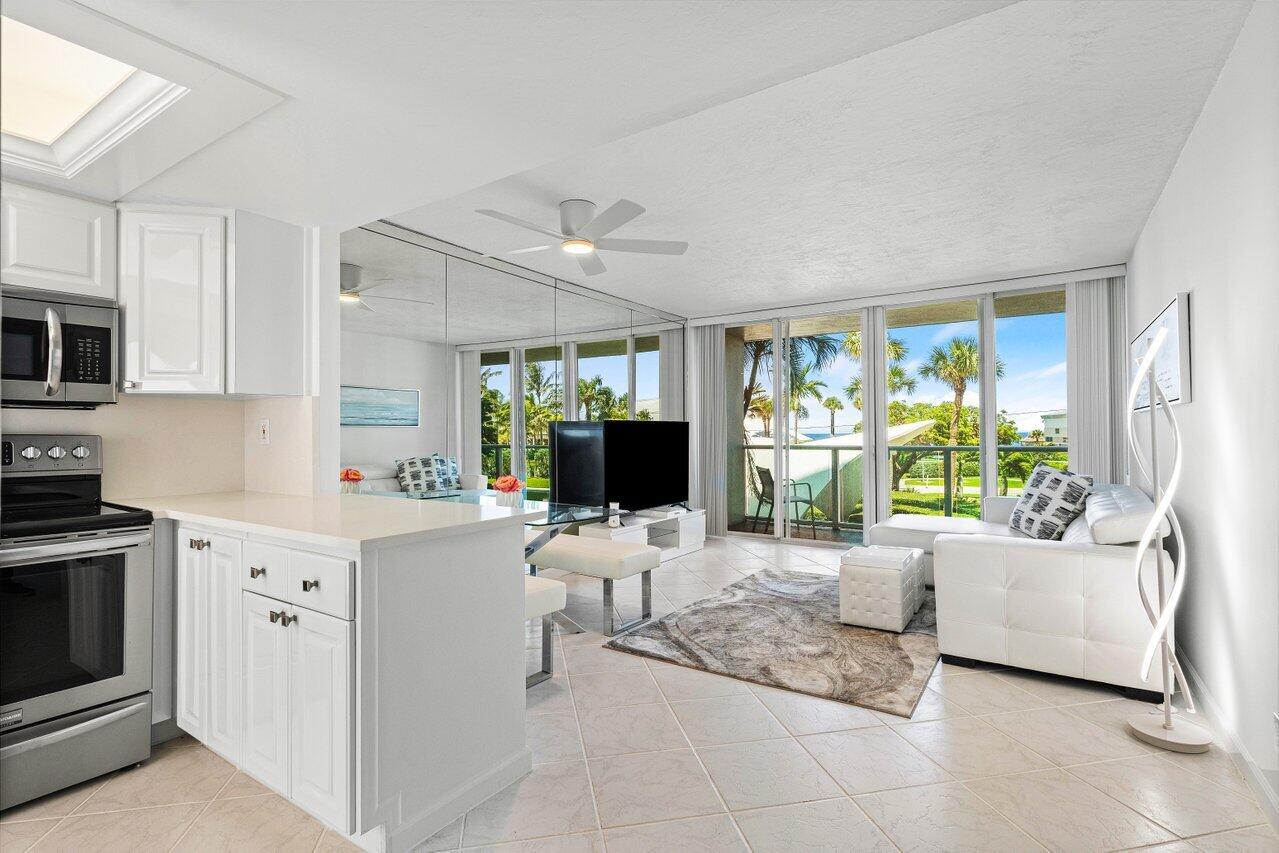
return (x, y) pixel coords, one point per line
(1050, 501)
(1117, 514)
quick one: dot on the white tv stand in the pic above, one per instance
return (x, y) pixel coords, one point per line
(677, 532)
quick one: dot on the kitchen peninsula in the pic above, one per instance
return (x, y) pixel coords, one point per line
(358, 654)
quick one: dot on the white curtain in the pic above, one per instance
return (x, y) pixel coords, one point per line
(469, 455)
(670, 374)
(517, 414)
(1096, 355)
(708, 425)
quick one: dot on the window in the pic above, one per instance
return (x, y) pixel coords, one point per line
(748, 376)
(495, 413)
(543, 404)
(648, 378)
(934, 418)
(1030, 339)
(602, 380)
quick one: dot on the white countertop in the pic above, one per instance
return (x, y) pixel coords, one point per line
(330, 520)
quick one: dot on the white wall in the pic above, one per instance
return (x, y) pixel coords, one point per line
(1215, 232)
(381, 361)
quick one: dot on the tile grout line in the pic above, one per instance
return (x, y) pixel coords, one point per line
(207, 805)
(698, 758)
(586, 762)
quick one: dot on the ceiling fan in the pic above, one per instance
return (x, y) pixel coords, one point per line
(582, 232)
(351, 277)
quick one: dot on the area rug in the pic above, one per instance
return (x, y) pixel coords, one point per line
(782, 629)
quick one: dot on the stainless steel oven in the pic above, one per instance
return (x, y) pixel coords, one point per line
(76, 576)
(58, 350)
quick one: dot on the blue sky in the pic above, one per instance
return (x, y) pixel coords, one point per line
(1033, 350)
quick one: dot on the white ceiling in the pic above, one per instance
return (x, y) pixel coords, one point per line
(460, 302)
(1031, 139)
(807, 150)
(392, 105)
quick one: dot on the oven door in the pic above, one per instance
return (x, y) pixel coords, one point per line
(75, 624)
(31, 355)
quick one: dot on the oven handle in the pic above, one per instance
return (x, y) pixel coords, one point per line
(28, 553)
(11, 752)
(53, 377)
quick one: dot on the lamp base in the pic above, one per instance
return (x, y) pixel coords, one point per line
(1184, 736)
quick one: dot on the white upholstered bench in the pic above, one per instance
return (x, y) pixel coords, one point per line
(601, 558)
(542, 597)
(880, 586)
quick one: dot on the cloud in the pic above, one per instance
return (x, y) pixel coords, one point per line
(1057, 369)
(951, 330)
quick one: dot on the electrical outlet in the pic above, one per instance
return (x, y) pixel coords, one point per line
(264, 431)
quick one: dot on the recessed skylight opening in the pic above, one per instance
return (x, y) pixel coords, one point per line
(49, 84)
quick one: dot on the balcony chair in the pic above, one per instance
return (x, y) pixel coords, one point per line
(767, 495)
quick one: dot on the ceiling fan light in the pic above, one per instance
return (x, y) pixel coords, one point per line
(348, 297)
(577, 246)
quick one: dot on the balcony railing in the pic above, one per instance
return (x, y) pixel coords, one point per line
(923, 480)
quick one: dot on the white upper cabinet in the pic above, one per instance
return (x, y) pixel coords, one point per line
(172, 301)
(211, 302)
(57, 242)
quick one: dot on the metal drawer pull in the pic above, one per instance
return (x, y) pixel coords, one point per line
(286, 620)
(307, 586)
(255, 572)
(277, 615)
(199, 544)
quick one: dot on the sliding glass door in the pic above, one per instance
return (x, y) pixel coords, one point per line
(749, 380)
(543, 404)
(495, 414)
(932, 371)
(825, 443)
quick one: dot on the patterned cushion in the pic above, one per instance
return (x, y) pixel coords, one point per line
(1050, 501)
(446, 472)
(418, 474)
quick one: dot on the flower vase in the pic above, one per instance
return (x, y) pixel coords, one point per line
(508, 498)
(350, 488)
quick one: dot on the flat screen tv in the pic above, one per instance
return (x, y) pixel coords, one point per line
(636, 464)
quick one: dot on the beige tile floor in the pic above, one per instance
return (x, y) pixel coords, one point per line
(634, 755)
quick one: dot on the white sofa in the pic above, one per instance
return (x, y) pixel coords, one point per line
(381, 478)
(1067, 607)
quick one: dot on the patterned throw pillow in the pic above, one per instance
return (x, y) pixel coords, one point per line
(446, 472)
(1050, 500)
(418, 474)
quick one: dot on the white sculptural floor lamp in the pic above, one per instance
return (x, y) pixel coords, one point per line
(1166, 729)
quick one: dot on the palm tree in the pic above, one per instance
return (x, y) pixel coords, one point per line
(894, 348)
(956, 364)
(899, 381)
(1036, 436)
(801, 388)
(834, 405)
(817, 350)
(589, 392)
(762, 407)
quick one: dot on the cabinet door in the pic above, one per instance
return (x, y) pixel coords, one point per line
(265, 747)
(172, 301)
(225, 612)
(192, 676)
(56, 242)
(320, 697)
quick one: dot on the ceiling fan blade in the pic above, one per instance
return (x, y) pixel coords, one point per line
(526, 251)
(523, 223)
(614, 217)
(648, 247)
(591, 264)
(366, 306)
(398, 299)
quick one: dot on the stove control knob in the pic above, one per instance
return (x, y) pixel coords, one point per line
(30, 452)
(80, 451)
(56, 452)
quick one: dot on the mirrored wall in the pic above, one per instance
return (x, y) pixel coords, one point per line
(437, 342)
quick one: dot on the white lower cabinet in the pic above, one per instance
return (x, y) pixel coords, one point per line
(265, 682)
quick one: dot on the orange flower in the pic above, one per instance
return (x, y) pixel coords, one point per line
(350, 475)
(507, 483)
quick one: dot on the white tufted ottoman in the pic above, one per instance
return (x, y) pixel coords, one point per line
(880, 586)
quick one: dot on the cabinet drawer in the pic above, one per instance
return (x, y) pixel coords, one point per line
(265, 570)
(321, 583)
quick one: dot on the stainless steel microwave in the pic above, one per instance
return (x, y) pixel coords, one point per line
(59, 351)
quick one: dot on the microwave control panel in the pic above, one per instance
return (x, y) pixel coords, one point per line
(87, 355)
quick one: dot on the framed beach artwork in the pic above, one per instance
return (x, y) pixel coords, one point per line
(362, 406)
(1172, 369)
